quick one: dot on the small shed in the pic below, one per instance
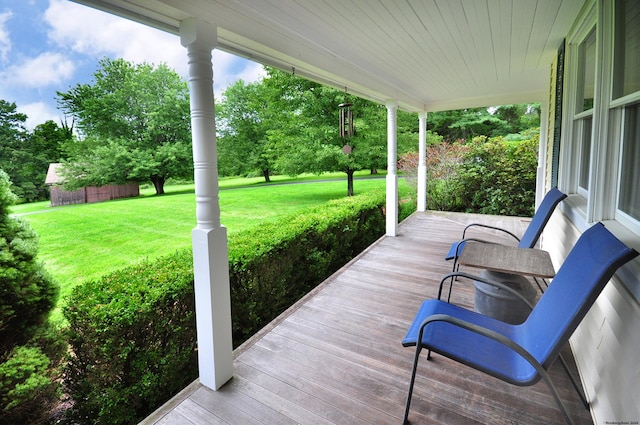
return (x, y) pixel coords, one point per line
(60, 196)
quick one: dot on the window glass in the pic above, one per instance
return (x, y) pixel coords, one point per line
(588, 73)
(585, 152)
(627, 50)
(629, 198)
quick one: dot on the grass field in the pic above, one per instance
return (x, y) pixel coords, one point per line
(83, 242)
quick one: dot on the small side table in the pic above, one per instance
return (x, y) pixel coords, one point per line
(507, 265)
(507, 259)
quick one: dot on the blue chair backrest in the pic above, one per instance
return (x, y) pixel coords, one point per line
(541, 217)
(589, 266)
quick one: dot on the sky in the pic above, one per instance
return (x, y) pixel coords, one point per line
(53, 45)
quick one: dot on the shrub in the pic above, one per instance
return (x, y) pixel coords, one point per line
(499, 177)
(487, 176)
(27, 294)
(132, 333)
(27, 390)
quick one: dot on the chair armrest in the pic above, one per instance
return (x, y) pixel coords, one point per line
(489, 227)
(507, 288)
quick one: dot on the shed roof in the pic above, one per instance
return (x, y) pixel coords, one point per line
(54, 174)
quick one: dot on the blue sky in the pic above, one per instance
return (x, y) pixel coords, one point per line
(52, 45)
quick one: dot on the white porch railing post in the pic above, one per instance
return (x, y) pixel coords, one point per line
(422, 162)
(392, 173)
(210, 252)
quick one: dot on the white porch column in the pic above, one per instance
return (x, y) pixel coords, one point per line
(392, 173)
(210, 253)
(422, 162)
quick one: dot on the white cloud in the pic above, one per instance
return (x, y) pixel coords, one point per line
(5, 40)
(44, 70)
(95, 33)
(38, 113)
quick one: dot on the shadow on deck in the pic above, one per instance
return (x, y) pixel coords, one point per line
(335, 357)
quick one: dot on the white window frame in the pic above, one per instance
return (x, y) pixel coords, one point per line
(600, 201)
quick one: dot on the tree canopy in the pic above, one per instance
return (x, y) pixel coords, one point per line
(289, 125)
(134, 123)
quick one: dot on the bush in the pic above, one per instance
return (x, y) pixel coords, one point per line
(499, 177)
(132, 336)
(27, 294)
(132, 333)
(27, 390)
(487, 176)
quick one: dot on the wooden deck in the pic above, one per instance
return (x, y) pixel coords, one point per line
(336, 358)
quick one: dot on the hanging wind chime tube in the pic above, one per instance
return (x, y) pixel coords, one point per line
(346, 120)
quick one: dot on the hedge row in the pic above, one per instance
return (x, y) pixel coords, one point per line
(132, 333)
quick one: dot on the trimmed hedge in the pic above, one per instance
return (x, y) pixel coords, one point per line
(132, 333)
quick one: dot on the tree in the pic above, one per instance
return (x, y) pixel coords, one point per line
(491, 122)
(12, 138)
(306, 137)
(242, 119)
(135, 124)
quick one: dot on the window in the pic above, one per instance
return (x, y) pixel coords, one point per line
(629, 194)
(625, 97)
(587, 78)
(583, 112)
(585, 152)
(627, 48)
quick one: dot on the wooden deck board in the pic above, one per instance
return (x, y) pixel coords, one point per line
(336, 358)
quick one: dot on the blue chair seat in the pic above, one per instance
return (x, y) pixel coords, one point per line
(471, 348)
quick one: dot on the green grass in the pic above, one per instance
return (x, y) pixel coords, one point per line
(83, 242)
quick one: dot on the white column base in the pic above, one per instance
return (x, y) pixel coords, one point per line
(392, 205)
(213, 306)
(422, 188)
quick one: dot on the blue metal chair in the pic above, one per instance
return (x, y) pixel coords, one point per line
(522, 354)
(530, 236)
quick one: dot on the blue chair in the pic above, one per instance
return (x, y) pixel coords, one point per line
(530, 236)
(522, 354)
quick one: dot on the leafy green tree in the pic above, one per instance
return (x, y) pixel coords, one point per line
(12, 140)
(135, 124)
(42, 147)
(242, 120)
(464, 124)
(306, 137)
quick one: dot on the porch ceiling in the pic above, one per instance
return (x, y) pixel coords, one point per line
(426, 54)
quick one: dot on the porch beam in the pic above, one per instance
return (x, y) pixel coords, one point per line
(422, 162)
(392, 168)
(210, 251)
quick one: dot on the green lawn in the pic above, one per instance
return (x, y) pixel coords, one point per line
(81, 242)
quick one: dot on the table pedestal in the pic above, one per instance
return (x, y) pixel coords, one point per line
(500, 304)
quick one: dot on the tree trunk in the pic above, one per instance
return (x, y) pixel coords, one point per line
(267, 178)
(158, 183)
(350, 182)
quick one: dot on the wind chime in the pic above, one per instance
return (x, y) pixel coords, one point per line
(346, 125)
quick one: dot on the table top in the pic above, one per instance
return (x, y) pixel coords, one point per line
(507, 259)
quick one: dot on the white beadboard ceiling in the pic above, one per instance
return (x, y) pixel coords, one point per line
(426, 54)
